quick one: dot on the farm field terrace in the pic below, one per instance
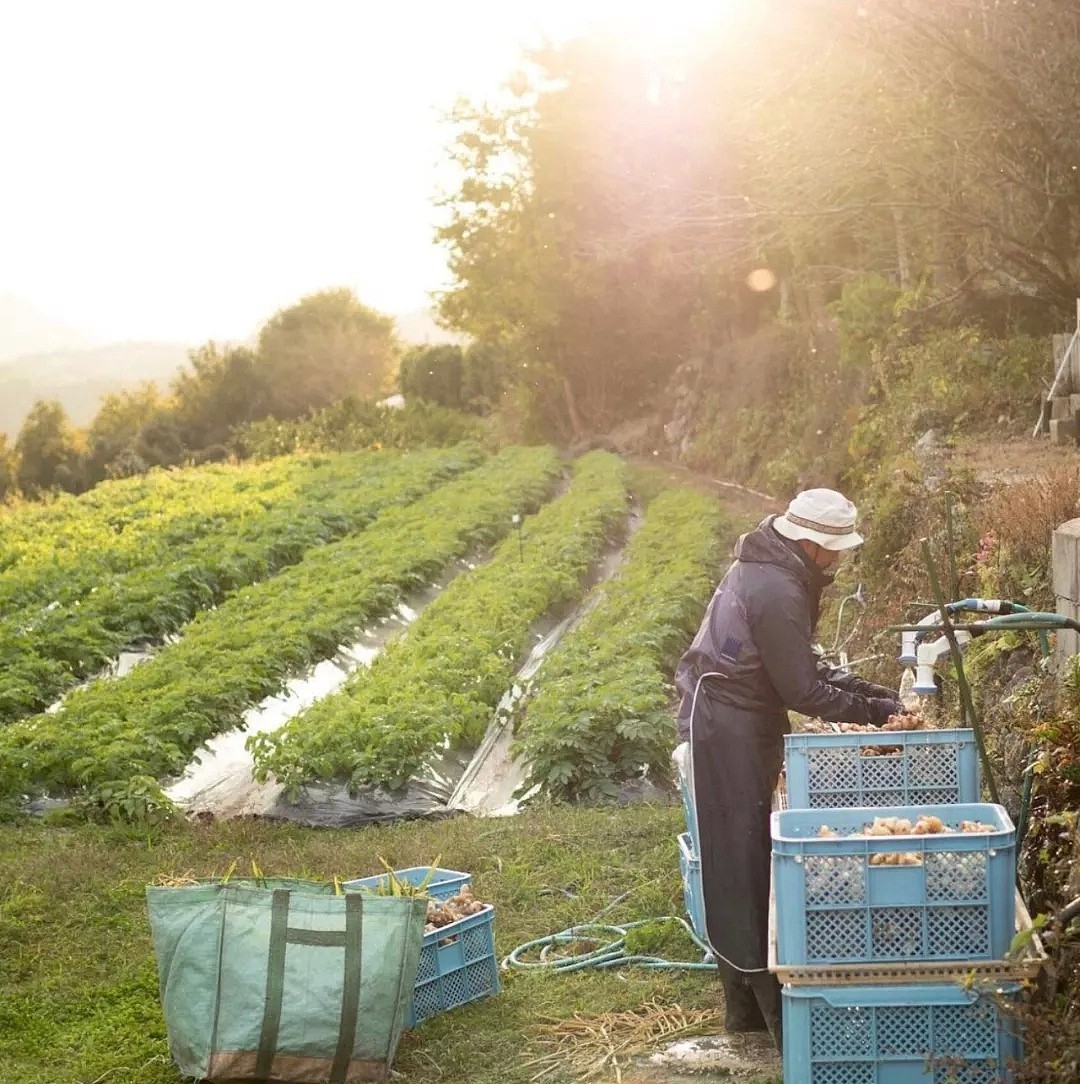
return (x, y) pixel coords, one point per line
(75, 617)
(114, 738)
(80, 998)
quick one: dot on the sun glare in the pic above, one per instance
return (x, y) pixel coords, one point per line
(666, 24)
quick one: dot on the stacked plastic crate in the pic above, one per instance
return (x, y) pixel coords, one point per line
(457, 961)
(689, 847)
(893, 948)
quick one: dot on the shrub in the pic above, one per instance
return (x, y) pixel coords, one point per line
(355, 424)
(1016, 525)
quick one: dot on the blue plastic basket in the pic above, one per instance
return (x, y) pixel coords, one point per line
(834, 906)
(457, 965)
(444, 882)
(682, 774)
(930, 767)
(693, 896)
(938, 1033)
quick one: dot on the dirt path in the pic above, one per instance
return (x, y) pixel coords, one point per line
(738, 497)
(1013, 458)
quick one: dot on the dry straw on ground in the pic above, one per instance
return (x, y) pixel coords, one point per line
(591, 1047)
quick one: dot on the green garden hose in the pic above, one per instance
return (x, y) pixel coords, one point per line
(612, 954)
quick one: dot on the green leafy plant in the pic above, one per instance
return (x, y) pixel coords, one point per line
(151, 721)
(442, 682)
(598, 711)
(233, 534)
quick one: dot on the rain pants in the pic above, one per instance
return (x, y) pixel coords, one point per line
(755, 643)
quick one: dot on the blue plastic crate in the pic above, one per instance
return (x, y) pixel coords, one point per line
(693, 896)
(930, 767)
(683, 770)
(939, 1033)
(457, 965)
(444, 882)
(834, 906)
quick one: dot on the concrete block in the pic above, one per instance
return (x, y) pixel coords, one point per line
(1074, 404)
(1061, 407)
(1065, 560)
(1067, 642)
(1063, 431)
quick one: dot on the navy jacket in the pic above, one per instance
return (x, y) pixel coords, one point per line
(758, 635)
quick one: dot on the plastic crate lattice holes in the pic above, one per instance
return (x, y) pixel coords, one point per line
(872, 1035)
(931, 767)
(457, 965)
(956, 902)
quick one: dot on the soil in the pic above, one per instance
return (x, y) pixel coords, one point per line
(751, 1058)
(738, 497)
(1013, 458)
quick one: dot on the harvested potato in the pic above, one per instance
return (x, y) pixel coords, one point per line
(881, 750)
(442, 913)
(904, 858)
(976, 826)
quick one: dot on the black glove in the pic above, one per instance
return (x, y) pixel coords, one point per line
(881, 709)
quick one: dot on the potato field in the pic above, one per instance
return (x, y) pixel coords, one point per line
(234, 581)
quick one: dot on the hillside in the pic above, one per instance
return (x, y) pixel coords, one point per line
(78, 378)
(40, 359)
(25, 329)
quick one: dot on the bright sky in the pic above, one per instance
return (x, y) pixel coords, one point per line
(181, 170)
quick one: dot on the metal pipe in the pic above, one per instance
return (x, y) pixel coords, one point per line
(1069, 912)
(949, 549)
(999, 624)
(967, 704)
(1057, 380)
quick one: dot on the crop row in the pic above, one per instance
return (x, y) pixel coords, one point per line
(57, 551)
(442, 681)
(43, 657)
(115, 736)
(598, 710)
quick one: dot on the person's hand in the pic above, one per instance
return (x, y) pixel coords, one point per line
(881, 708)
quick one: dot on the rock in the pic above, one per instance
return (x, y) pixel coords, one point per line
(639, 436)
(930, 439)
(1063, 431)
(1061, 407)
(675, 431)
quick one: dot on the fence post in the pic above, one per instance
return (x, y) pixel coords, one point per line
(1065, 561)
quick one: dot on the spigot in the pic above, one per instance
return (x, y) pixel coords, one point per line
(909, 640)
(929, 654)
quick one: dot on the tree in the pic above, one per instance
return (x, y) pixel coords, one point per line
(568, 236)
(48, 451)
(434, 374)
(224, 387)
(325, 348)
(114, 430)
(7, 468)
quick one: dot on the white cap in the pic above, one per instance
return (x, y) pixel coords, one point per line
(822, 516)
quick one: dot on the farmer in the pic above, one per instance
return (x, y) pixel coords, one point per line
(751, 661)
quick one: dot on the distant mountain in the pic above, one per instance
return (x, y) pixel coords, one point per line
(79, 378)
(42, 359)
(24, 329)
(418, 328)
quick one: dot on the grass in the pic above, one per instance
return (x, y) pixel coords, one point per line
(79, 998)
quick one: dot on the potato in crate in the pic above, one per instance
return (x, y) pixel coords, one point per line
(457, 958)
(903, 883)
(874, 768)
(457, 961)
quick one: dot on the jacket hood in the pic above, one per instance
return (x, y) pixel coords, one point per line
(765, 546)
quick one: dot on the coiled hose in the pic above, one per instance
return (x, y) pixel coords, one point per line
(611, 954)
